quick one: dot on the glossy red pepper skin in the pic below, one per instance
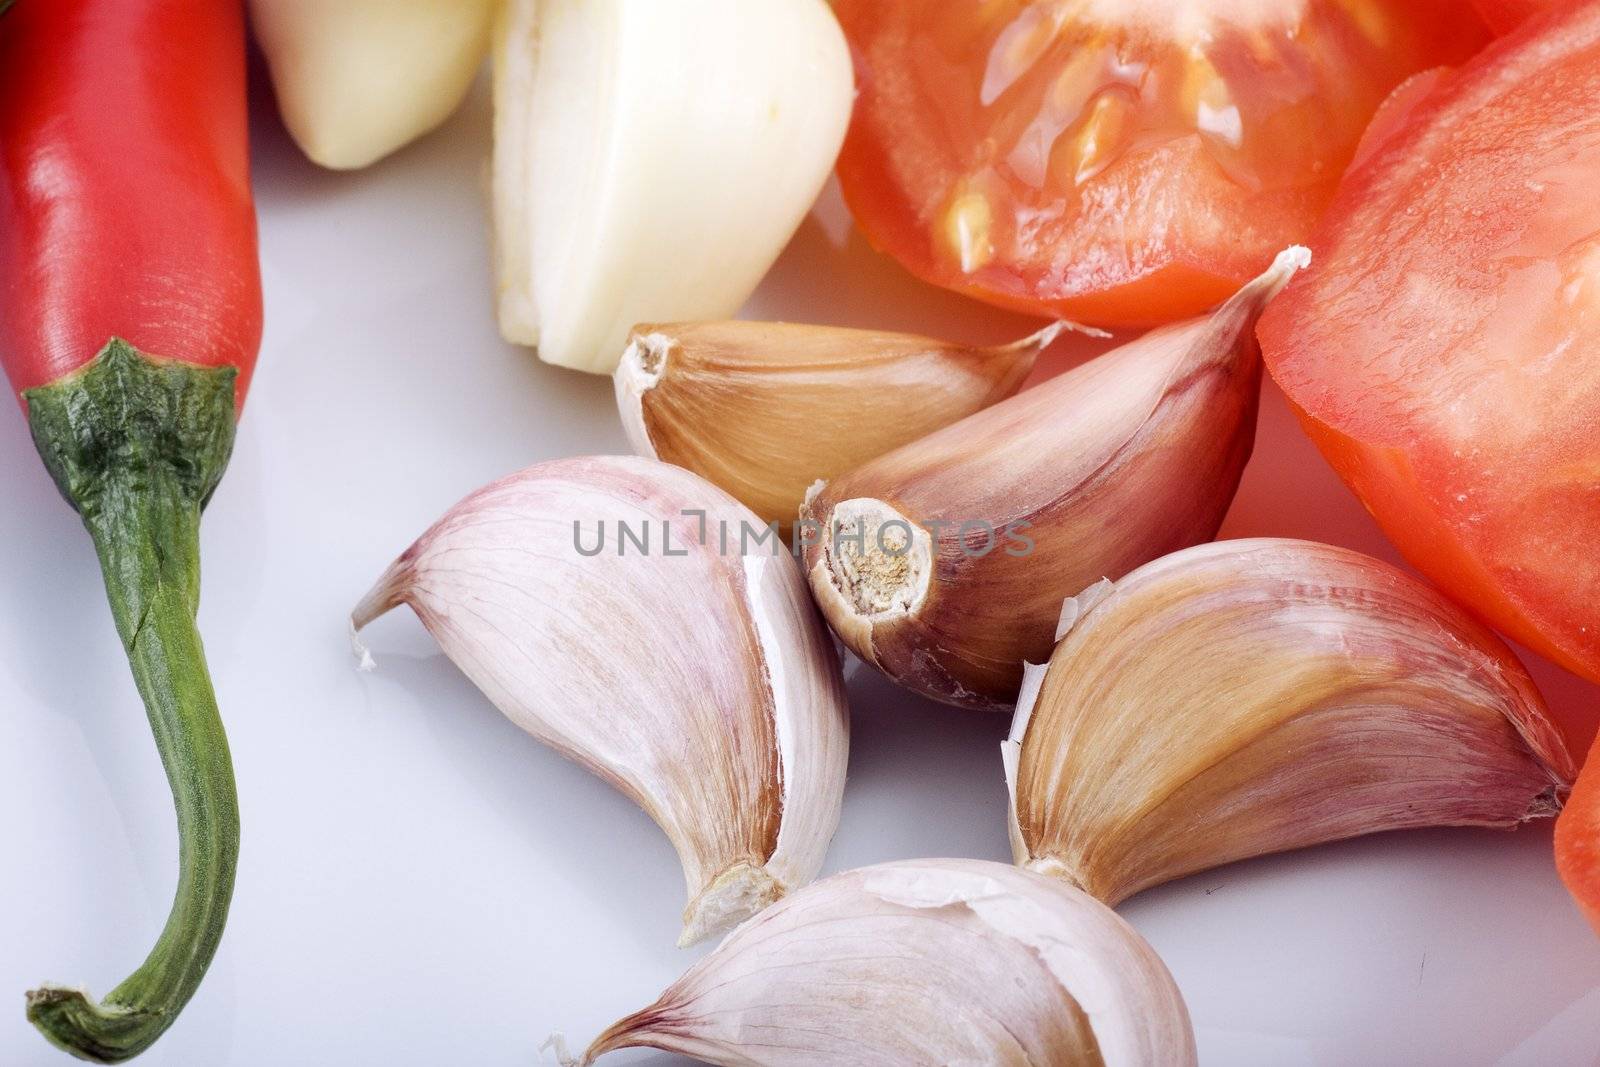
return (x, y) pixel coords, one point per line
(125, 205)
(130, 314)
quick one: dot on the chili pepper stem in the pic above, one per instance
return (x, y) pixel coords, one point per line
(137, 445)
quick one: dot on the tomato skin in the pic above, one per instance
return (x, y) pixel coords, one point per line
(1391, 116)
(1439, 349)
(1093, 177)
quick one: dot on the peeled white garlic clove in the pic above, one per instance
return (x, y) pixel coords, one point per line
(765, 409)
(923, 963)
(680, 662)
(1250, 697)
(945, 562)
(357, 79)
(652, 159)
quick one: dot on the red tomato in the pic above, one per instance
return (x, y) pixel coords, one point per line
(1120, 161)
(1503, 16)
(1444, 347)
(1578, 840)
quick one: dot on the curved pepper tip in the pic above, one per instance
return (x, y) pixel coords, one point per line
(99, 1033)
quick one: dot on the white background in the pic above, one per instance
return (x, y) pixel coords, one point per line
(422, 884)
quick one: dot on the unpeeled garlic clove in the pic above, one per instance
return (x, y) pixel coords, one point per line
(693, 675)
(945, 562)
(652, 159)
(922, 964)
(1250, 697)
(766, 409)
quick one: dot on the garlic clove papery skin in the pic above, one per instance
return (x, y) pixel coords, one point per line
(699, 682)
(766, 409)
(652, 159)
(357, 79)
(923, 963)
(1250, 697)
(944, 563)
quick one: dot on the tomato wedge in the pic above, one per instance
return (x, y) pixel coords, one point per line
(1119, 161)
(1578, 840)
(1444, 347)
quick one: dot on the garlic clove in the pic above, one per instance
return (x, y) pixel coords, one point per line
(944, 563)
(652, 159)
(1250, 697)
(358, 79)
(692, 673)
(925, 962)
(766, 409)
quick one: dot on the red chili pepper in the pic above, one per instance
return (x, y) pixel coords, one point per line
(130, 315)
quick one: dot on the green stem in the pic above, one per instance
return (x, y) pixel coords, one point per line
(138, 445)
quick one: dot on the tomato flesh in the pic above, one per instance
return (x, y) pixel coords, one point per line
(1503, 16)
(1117, 161)
(1444, 347)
